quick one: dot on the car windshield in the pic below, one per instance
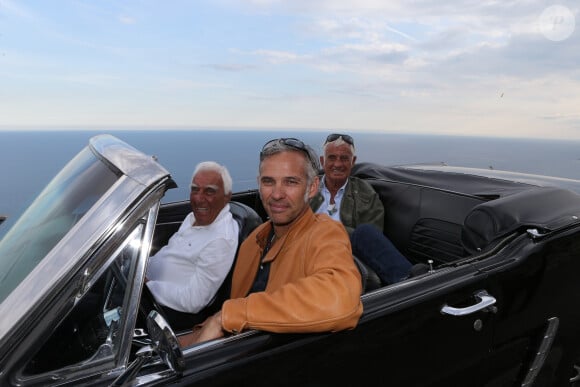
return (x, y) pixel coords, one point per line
(51, 216)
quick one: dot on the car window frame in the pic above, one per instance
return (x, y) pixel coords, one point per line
(101, 258)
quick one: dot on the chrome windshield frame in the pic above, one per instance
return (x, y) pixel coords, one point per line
(139, 174)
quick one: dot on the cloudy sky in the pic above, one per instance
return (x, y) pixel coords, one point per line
(469, 67)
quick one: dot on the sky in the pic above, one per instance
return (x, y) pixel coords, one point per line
(507, 68)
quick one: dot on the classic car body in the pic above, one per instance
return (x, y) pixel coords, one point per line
(497, 305)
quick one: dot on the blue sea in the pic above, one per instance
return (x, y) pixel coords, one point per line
(29, 159)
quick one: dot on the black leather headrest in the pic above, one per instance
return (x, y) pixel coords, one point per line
(247, 218)
(543, 208)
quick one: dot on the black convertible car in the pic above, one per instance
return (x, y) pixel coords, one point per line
(497, 305)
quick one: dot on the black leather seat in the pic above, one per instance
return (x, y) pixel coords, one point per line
(248, 220)
(370, 279)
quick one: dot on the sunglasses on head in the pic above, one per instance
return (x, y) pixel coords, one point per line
(335, 136)
(292, 143)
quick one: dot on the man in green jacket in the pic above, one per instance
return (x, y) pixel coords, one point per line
(354, 203)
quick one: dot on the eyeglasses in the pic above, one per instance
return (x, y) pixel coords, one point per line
(335, 136)
(292, 143)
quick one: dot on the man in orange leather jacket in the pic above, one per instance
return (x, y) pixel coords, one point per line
(294, 273)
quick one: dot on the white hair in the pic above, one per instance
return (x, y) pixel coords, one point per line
(338, 142)
(215, 167)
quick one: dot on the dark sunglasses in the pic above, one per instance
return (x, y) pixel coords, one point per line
(292, 143)
(335, 136)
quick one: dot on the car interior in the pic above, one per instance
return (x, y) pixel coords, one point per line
(431, 226)
(429, 232)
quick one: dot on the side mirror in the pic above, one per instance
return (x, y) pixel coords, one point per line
(163, 342)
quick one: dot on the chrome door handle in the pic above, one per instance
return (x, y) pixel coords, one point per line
(485, 301)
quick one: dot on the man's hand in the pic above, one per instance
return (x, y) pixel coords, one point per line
(210, 329)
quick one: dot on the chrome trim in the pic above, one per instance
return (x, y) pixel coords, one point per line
(130, 161)
(137, 284)
(485, 301)
(137, 224)
(534, 233)
(576, 376)
(543, 351)
(78, 243)
(84, 237)
(189, 352)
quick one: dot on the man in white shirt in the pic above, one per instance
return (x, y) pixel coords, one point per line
(185, 274)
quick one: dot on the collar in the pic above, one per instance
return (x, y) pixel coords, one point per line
(297, 226)
(323, 185)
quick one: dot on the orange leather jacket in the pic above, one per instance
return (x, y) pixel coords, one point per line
(314, 284)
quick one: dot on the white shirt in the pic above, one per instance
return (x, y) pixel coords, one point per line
(326, 208)
(186, 273)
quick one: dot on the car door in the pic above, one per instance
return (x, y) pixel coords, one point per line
(476, 323)
(433, 330)
(403, 339)
(436, 330)
(539, 289)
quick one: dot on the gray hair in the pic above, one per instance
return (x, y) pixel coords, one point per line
(312, 162)
(215, 167)
(338, 142)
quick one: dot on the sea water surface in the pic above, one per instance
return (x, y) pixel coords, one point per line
(29, 159)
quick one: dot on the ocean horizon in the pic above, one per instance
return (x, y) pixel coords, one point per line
(29, 159)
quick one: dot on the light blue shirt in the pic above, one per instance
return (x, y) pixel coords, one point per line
(333, 210)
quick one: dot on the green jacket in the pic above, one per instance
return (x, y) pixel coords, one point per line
(360, 204)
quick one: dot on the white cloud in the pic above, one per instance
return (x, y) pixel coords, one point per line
(279, 57)
(127, 19)
(12, 8)
(406, 65)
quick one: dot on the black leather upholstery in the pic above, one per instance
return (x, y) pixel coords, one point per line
(248, 220)
(370, 279)
(543, 208)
